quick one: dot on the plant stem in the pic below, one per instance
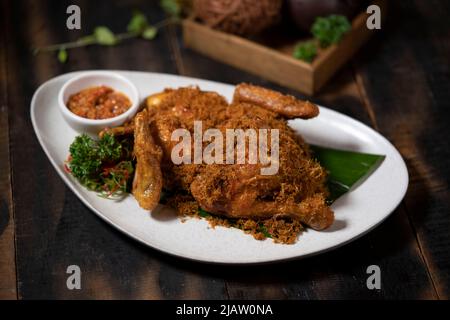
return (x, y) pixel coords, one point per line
(66, 45)
(126, 35)
(165, 22)
(90, 40)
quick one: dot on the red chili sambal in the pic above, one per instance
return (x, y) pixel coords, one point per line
(100, 102)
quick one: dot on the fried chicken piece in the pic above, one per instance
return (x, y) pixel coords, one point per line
(286, 106)
(257, 197)
(176, 109)
(240, 190)
(147, 183)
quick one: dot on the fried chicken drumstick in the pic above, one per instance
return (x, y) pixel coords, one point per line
(147, 183)
(231, 190)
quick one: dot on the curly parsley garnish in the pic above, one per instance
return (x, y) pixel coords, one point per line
(105, 166)
(330, 30)
(326, 31)
(306, 51)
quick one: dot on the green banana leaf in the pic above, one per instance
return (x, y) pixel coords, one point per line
(346, 169)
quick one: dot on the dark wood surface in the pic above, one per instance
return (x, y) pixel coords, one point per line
(7, 258)
(399, 84)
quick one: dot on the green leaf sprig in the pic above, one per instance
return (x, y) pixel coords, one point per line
(326, 31)
(138, 27)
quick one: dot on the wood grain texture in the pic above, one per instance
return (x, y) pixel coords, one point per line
(54, 229)
(7, 247)
(406, 78)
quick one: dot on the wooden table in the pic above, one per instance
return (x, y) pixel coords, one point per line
(399, 84)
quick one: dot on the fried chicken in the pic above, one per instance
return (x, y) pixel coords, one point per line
(147, 181)
(234, 190)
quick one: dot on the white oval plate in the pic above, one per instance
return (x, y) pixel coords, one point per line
(356, 213)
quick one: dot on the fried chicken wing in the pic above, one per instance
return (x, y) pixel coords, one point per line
(147, 183)
(286, 106)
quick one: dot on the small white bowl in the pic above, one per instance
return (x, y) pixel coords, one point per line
(91, 79)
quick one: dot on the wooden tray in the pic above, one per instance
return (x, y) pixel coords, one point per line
(273, 59)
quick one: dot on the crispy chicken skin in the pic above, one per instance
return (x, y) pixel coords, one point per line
(237, 190)
(286, 106)
(240, 191)
(147, 183)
